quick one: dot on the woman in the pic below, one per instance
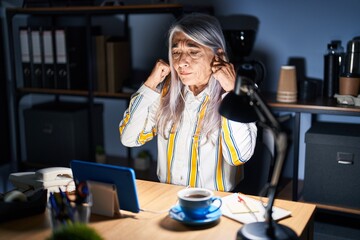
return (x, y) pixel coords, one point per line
(179, 103)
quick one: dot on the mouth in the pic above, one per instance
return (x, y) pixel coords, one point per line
(184, 73)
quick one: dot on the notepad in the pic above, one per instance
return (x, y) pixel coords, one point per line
(242, 207)
(237, 211)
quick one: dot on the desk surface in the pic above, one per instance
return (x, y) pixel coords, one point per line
(157, 197)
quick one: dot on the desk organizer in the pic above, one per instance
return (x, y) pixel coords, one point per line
(36, 204)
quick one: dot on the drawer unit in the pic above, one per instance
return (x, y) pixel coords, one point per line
(57, 133)
(332, 165)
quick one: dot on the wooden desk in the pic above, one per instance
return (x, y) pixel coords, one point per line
(159, 197)
(314, 107)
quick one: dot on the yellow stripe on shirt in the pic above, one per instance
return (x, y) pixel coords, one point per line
(135, 99)
(124, 122)
(146, 136)
(170, 153)
(219, 177)
(235, 158)
(195, 145)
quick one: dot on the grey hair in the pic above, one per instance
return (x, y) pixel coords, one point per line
(205, 30)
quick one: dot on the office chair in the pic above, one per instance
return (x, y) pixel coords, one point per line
(257, 170)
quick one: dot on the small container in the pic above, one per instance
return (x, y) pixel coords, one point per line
(332, 65)
(352, 59)
(69, 212)
(350, 75)
(287, 85)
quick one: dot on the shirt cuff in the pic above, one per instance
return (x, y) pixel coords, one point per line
(148, 92)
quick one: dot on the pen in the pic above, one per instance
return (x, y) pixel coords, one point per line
(241, 200)
(54, 206)
(67, 208)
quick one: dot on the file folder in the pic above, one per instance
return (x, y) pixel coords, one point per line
(62, 70)
(37, 68)
(49, 58)
(76, 42)
(71, 58)
(25, 56)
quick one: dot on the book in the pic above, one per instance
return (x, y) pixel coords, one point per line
(25, 56)
(101, 71)
(118, 63)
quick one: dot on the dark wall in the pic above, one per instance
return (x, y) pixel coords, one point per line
(4, 113)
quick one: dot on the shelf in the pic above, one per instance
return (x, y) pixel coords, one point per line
(318, 106)
(175, 9)
(73, 93)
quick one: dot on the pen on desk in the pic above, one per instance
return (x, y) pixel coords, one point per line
(241, 200)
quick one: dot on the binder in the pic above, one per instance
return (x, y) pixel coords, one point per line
(62, 68)
(101, 73)
(118, 63)
(49, 58)
(37, 67)
(76, 42)
(25, 56)
(71, 58)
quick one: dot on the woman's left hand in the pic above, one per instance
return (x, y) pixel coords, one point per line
(224, 72)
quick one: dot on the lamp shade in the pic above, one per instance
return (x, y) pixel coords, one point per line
(237, 107)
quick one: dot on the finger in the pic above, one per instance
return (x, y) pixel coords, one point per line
(218, 61)
(217, 66)
(164, 73)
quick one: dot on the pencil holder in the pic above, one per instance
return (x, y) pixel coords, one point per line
(63, 212)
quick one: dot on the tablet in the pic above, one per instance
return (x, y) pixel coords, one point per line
(122, 177)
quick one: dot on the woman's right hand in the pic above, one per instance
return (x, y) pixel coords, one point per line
(158, 74)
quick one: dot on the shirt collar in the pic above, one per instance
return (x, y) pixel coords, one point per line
(200, 96)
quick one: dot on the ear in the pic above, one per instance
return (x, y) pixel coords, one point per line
(220, 52)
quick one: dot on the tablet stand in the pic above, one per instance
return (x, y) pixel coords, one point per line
(105, 199)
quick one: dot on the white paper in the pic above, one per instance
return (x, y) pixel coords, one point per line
(249, 217)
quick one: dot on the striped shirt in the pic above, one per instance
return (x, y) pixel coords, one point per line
(184, 158)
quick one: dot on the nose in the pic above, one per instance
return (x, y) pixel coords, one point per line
(183, 60)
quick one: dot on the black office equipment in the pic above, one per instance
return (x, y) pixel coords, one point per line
(332, 164)
(245, 104)
(57, 132)
(35, 204)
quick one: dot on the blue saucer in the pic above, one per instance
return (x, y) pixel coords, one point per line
(177, 214)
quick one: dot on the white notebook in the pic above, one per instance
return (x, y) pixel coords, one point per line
(249, 210)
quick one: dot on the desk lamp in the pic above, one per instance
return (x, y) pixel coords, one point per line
(245, 104)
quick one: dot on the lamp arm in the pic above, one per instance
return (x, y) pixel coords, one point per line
(268, 120)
